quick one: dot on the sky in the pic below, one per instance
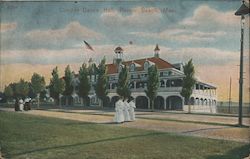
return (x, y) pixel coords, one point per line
(37, 36)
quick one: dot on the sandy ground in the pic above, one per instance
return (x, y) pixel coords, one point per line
(199, 118)
(173, 116)
(193, 129)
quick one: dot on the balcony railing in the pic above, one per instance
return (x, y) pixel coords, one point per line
(160, 89)
(207, 93)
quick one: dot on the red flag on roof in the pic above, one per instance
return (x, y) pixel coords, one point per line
(88, 46)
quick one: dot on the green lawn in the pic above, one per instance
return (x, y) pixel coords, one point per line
(28, 136)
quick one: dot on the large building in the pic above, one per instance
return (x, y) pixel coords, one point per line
(171, 76)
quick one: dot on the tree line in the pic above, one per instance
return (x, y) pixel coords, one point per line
(61, 86)
(64, 86)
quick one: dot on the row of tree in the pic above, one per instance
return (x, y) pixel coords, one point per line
(63, 86)
(23, 88)
(153, 83)
(123, 89)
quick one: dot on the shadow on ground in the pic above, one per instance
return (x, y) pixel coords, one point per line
(237, 153)
(83, 143)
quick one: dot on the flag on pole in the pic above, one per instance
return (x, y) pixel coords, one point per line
(88, 46)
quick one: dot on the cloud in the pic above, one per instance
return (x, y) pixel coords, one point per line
(4, 27)
(41, 56)
(201, 56)
(205, 25)
(139, 17)
(182, 35)
(205, 56)
(73, 31)
(76, 55)
(205, 15)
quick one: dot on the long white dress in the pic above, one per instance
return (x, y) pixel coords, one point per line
(132, 110)
(21, 105)
(126, 111)
(119, 117)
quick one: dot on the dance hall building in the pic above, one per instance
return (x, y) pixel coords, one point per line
(171, 77)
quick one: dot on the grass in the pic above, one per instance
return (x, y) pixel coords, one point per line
(28, 136)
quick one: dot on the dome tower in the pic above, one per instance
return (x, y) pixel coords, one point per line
(119, 55)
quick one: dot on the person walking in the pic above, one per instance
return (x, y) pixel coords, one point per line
(132, 109)
(21, 104)
(126, 110)
(119, 107)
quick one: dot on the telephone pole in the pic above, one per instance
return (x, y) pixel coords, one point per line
(229, 98)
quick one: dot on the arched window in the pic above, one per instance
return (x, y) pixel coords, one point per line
(132, 67)
(146, 65)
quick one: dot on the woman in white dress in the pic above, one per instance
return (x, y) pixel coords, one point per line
(21, 105)
(119, 106)
(126, 110)
(132, 109)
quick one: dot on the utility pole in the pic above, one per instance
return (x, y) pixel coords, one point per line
(243, 10)
(241, 71)
(229, 99)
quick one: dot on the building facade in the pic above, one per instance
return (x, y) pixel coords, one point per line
(171, 77)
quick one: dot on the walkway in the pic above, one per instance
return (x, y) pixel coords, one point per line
(152, 122)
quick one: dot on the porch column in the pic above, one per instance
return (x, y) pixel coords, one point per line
(148, 103)
(170, 104)
(165, 83)
(182, 102)
(165, 103)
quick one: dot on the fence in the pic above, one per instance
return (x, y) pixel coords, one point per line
(223, 107)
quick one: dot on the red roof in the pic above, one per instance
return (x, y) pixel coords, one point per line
(160, 64)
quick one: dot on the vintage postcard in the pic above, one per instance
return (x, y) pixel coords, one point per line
(124, 79)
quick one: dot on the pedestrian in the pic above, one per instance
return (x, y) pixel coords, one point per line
(16, 105)
(21, 104)
(119, 106)
(126, 110)
(132, 109)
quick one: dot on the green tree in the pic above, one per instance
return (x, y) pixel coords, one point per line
(13, 86)
(188, 82)
(38, 85)
(123, 83)
(92, 69)
(84, 86)
(152, 84)
(22, 88)
(8, 92)
(102, 81)
(68, 77)
(57, 85)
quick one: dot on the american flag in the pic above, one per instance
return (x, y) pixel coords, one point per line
(88, 46)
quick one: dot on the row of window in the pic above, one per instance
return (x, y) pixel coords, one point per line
(145, 67)
(143, 75)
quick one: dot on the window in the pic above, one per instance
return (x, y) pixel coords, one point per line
(146, 65)
(132, 67)
(170, 73)
(161, 74)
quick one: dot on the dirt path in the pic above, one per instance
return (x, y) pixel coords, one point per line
(198, 118)
(202, 130)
